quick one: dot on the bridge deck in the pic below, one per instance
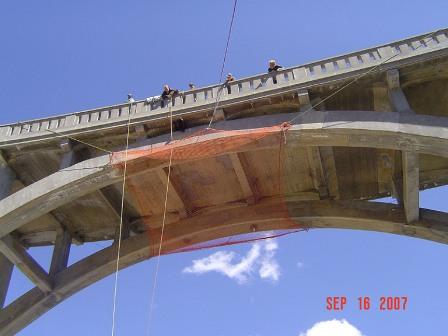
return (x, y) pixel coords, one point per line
(351, 173)
(385, 135)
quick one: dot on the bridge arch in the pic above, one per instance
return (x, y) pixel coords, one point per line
(391, 130)
(264, 216)
(357, 129)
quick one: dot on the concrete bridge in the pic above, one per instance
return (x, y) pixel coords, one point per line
(384, 135)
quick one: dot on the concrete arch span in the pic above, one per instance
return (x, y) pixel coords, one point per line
(264, 216)
(398, 131)
(405, 132)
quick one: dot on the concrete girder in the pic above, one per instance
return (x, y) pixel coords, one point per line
(6, 268)
(248, 190)
(391, 130)
(61, 251)
(396, 95)
(12, 249)
(270, 214)
(410, 165)
(410, 185)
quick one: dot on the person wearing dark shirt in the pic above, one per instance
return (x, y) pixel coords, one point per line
(179, 125)
(229, 78)
(168, 92)
(273, 67)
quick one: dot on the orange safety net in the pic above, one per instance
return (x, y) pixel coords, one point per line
(203, 144)
(206, 143)
(234, 240)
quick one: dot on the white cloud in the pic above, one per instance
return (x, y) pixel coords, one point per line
(300, 265)
(269, 268)
(261, 256)
(332, 328)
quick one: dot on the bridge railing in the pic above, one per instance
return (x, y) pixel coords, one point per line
(366, 58)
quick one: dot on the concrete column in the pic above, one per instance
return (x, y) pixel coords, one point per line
(304, 100)
(411, 186)
(7, 177)
(61, 252)
(69, 157)
(6, 268)
(396, 95)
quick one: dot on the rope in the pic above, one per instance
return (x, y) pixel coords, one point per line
(121, 226)
(224, 63)
(228, 40)
(151, 305)
(216, 105)
(354, 80)
(170, 164)
(154, 287)
(60, 135)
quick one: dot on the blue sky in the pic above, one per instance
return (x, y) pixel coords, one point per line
(59, 57)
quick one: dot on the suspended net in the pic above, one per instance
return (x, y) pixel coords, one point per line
(205, 144)
(234, 240)
(202, 144)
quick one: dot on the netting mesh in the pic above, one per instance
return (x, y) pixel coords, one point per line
(234, 240)
(200, 145)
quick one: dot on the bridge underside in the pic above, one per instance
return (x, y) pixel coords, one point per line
(385, 136)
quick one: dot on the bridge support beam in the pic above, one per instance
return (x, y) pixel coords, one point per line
(174, 192)
(264, 216)
(7, 178)
(16, 253)
(6, 268)
(317, 171)
(410, 165)
(329, 170)
(396, 94)
(61, 252)
(245, 184)
(304, 100)
(410, 186)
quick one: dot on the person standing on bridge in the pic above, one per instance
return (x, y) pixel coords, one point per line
(274, 67)
(229, 78)
(168, 93)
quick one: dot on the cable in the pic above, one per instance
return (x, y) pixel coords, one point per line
(60, 135)
(218, 96)
(114, 309)
(202, 109)
(361, 75)
(224, 62)
(80, 141)
(154, 287)
(228, 40)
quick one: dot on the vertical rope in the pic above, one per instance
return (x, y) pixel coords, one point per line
(224, 62)
(117, 265)
(228, 40)
(154, 287)
(170, 163)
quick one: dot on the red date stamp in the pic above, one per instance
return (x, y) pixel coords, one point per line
(365, 303)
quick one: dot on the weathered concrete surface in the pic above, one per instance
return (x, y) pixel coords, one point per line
(422, 134)
(340, 68)
(347, 149)
(274, 214)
